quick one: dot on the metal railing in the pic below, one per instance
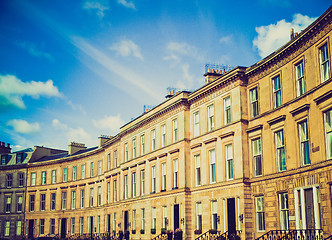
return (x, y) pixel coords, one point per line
(328, 238)
(308, 234)
(209, 235)
(230, 236)
(161, 236)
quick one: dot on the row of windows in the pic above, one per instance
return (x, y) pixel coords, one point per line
(65, 174)
(307, 204)
(20, 180)
(9, 206)
(304, 145)
(6, 227)
(300, 82)
(64, 204)
(6, 157)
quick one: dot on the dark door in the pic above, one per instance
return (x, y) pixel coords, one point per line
(63, 227)
(176, 216)
(231, 215)
(126, 220)
(31, 225)
(108, 223)
(91, 225)
(309, 209)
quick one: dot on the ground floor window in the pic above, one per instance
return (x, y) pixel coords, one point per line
(283, 206)
(307, 208)
(18, 228)
(7, 227)
(260, 215)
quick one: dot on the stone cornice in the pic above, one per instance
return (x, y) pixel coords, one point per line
(235, 74)
(180, 102)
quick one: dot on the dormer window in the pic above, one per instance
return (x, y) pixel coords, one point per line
(3, 159)
(19, 158)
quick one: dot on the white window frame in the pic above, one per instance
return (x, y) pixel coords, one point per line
(328, 133)
(175, 173)
(163, 176)
(257, 156)
(163, 135)
(134, 148)
(212, 162)
(175, 130)
(280, 149)
(277, 93)
(153, 179)
(300, 79)
(324, 62)
(198, 177)
(283, 208)
(196, 124)
(260, 214)
(210, 117)
(153, 140)
(227, 110)
(142, 144)
(254, 102)
(229, 162)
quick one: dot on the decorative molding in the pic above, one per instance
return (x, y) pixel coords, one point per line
(231, 133)
(255, 128)
(152, 159)
(323, 97)
(196, 145)
(174, 151)
(162, 155)
(276, 120)
(73, 186)
(300, 109)
(63, 187)
(210, 140)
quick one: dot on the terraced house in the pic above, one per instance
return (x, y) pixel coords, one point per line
(249, 153)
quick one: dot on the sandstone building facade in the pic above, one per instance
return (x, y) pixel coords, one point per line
(250, 151)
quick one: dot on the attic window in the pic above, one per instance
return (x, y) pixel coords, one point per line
(19, 157)
(3, 159)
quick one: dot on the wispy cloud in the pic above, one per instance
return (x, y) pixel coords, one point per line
(112, 123)
(22, 126)
(13, 89)
(226, 39)
(72, 134)
(127, 76)
(273, 36)
(76, 107)
(127, 4)
(100, 6)
(34, 50)
(127, 48)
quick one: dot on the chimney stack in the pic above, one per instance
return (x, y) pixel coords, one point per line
(212, 75)
(75, 147)
(102, 139)
(4, 148)
(292, 33)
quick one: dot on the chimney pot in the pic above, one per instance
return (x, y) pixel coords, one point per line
(292, 33)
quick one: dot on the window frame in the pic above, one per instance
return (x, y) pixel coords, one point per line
(254, 103)
(322, 62)
(277, 93)
(300, 79)
(210, 111)
(260, 214)
(227, 110)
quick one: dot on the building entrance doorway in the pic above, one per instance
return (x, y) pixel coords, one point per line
(176, 216)
(31, 226)
(91, 225)
(126, 221)
(309, 209)
(63, 228)
(231, 216)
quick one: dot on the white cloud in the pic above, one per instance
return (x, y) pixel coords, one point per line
(72, 134)
(22, 126)
(112, 123)
(99, 5)
(273, 36)
(76, 107)
(177, 51)
(34, 51)
(127, 4)
(126, 48)
(226, 39)
(13, 89)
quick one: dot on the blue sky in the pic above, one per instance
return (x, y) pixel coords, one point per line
(72, 70)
